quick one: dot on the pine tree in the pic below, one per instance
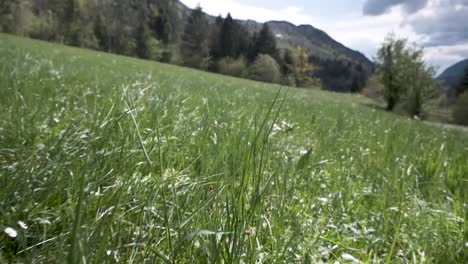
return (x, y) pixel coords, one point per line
(245, 40)
(142, 39)
(265, 43)
(194, 46)
(166, 23)
(215, 45)
(100, 31)
(228, 41)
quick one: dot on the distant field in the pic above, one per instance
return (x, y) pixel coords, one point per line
(111, 159)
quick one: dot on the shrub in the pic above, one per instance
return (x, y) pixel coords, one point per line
(374, 88)
(460, 113)
(265, 69)
(233, 67)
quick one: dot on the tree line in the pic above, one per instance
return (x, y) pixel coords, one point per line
(162, 31)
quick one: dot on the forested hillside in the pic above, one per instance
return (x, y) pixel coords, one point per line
(168, 31)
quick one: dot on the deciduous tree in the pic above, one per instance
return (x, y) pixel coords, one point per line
(405, 75)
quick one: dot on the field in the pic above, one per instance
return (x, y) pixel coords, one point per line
(107, 159)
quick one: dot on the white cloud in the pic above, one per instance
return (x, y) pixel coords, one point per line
(293, 14)
(445, 56)
(365, 33)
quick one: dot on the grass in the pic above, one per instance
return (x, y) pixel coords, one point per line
(112, 159)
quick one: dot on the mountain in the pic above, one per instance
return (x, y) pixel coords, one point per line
(453, 74)
(316, 41)
(337, 64)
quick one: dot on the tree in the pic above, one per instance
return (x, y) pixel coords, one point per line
(265, 69)
(194, 46)
(166, 22)
(304, 70)
(142, 40)
(228, 41)
(79, 29)
(359, 79)
(15, 16)
(298, 69)
(405, 75)
(420, 85)
(215, 45)
(388, 61)
(265, 43)
(120, 35)
(101, 33)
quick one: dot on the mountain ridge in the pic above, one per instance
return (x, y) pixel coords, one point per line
(335, 61)
(453, 74)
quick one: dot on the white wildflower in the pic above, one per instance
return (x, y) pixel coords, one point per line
(22, 225)
(323, 199)
(303, 151)
(350, 258)
(11, 232)
(401, 254)
(40, 146)
(196, 244)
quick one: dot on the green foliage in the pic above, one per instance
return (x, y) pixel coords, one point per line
(388, 60)
(166, 22)
(404, 75)
(374, 88)
(420, 85)
(194, 47)
(111, 159)
(298, 69)
(142, 40)
(228, 41)
(265, 43)
(265, 69)
(234, 67)
(15, 16)
(460, 112)
(234, 40)
(215, 39)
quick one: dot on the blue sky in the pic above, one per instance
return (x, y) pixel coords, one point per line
(437, 25)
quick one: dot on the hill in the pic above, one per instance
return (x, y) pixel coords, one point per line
(108, 159)
(335, 61)
(153, 29)
(453, 74)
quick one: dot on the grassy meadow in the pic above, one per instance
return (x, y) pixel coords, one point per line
(109, 159)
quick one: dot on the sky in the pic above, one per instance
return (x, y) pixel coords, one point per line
(439, 26)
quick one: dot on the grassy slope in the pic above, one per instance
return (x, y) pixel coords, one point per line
(110, 158)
